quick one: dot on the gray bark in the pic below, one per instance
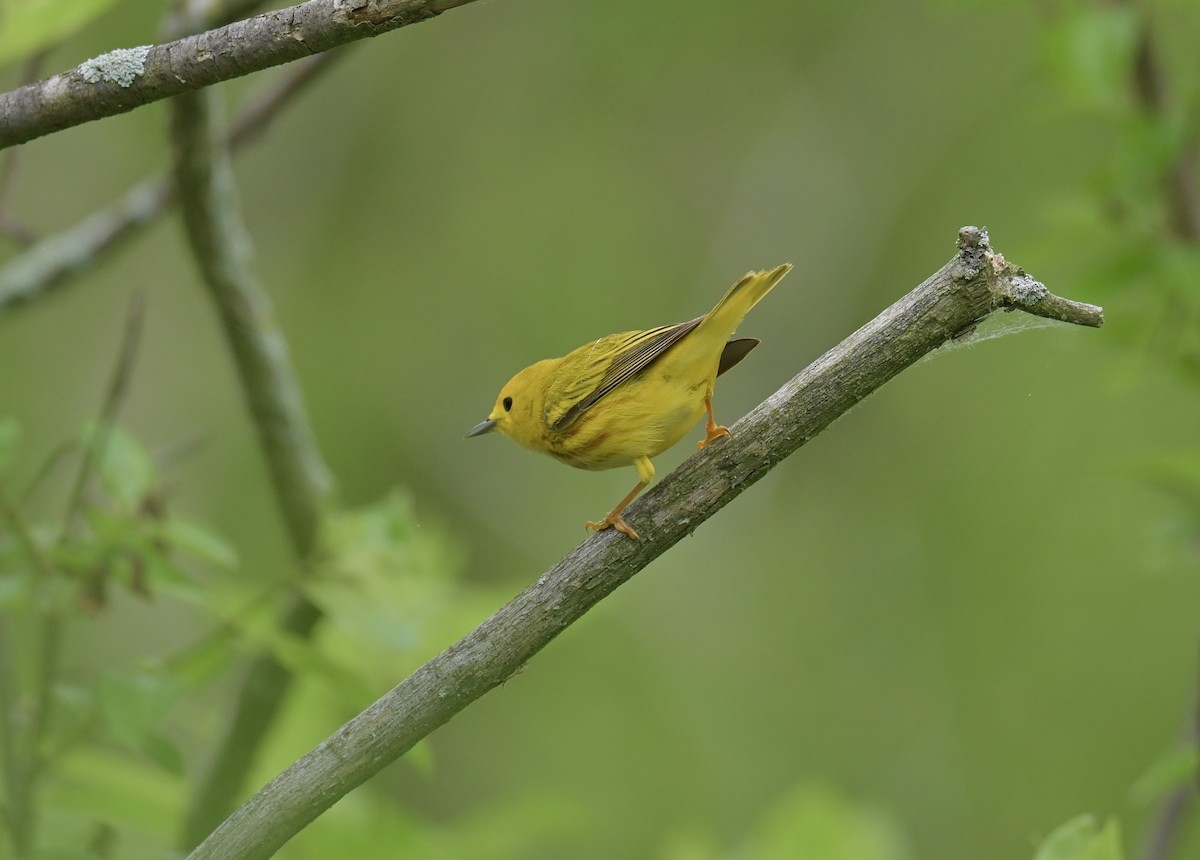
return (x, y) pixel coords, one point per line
(122, 80)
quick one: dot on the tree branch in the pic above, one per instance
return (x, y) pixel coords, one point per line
(51, 262)
(122, 80)
(299, 476)
(221, 247)
(952, 300)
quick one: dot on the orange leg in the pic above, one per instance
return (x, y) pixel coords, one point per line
(614, 519)
(712, 430)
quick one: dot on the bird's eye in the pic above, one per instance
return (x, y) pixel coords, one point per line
(507, 404)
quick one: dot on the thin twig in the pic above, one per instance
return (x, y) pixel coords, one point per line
(957, 296)
(118, 387)
(257, 113)
(55, 260)
(299, 477)
(122, 80)
(39, 562)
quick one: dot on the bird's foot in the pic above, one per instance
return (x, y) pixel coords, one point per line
(715, 431)
(616, 521)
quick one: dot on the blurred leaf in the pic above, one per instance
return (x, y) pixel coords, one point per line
(163, 576)
(387, 588)
(94, 783)
(812, 821)
(306, 659)
(10, 432)
(162, 752)
(126, 467)
(200, 664)
(372, 541)
(1174, 769)
(28, 26)
(198, 541)
(1083, 838)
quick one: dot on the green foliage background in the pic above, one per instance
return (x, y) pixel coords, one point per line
(960, 617)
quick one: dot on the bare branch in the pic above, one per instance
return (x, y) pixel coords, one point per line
(122, 80)
(950, 301)
(114, 397)
(302, 484)
(221, 247)
(56, 259)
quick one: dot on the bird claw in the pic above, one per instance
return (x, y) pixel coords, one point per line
(715, 432)
(616, 521)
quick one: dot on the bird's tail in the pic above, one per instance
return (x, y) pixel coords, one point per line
(742, 296)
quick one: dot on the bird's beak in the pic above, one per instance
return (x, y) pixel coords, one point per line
(482, 427)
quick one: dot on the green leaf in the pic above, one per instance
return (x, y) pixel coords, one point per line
(163, 752)
(126, 468)
(96, 782)
(28, 26)
(1083, 838)
(10, 432)
(1172, 770)
(198, 541)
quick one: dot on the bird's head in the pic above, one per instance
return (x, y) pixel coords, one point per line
(518, 411)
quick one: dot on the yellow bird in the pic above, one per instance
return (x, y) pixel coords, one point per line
(625, 398)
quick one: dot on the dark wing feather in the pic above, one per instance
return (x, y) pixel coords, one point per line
(735, 351)
(634, 356)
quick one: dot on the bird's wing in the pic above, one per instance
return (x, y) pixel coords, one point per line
(606, 366)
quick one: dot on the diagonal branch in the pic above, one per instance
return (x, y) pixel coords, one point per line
(952, 300)
(122, 80)
(299, 476)
(221, 247)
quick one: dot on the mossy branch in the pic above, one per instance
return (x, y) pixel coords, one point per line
(122, 80)
(952, 300)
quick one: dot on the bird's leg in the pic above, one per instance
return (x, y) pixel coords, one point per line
(614, 519)
(712, 430)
